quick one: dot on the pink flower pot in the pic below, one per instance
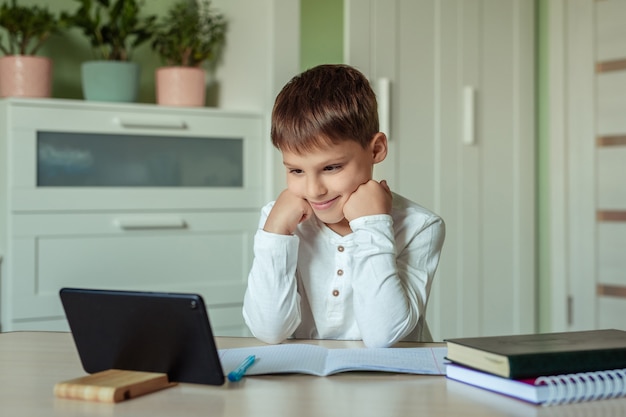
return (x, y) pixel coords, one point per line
(180, 86)
(25, 76)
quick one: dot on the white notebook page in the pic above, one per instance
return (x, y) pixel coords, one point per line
(317, 360)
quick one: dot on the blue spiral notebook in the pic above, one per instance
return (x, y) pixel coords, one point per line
(548, 389)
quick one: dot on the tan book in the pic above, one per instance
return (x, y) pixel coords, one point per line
(112, 386)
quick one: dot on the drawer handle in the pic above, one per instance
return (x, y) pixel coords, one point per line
(134, 223)
(151, 124)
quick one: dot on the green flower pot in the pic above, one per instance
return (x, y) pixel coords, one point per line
(116, 81)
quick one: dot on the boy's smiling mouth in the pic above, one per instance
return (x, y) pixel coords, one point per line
(323, 205)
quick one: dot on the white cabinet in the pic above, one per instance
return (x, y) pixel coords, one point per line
(125, 196)
(461, 142)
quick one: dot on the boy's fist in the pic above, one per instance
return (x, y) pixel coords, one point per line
(288, 211)
(369, 199)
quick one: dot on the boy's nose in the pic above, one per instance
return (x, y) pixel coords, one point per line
(315, 187)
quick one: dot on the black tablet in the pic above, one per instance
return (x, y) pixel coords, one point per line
(143, 331)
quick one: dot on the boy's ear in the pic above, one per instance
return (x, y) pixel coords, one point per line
(378, 145)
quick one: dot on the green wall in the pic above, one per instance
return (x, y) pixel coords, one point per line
(543, 151)
(321, 32)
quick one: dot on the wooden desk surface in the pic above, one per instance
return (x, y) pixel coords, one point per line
(32, 362)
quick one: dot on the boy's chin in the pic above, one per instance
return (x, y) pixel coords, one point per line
(330, 222)
(329, 219)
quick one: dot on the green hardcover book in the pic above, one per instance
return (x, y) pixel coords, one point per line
(533, 355)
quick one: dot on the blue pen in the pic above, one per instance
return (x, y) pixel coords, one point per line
(240, 371)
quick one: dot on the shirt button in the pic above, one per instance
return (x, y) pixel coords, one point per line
(335, 293)
(340, 272)
(340, 248)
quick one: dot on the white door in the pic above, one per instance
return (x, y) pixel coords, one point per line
(589, 159)
(461, 132)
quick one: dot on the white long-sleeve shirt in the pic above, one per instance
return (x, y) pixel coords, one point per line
(372, 284)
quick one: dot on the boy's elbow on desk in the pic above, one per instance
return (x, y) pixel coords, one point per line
(382, 340)
(376, 343)
(387, 334)
(270, 339)
(270, 334)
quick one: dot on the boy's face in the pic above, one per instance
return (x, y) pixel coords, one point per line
(326, 177)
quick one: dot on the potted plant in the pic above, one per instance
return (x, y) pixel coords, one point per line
(22, 73)
(114, 29)
(189, 36)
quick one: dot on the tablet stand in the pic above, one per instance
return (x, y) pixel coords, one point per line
(113, 385)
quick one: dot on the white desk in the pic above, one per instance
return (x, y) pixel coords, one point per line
(31, 363)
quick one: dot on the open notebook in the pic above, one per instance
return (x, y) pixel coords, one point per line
(320, 361)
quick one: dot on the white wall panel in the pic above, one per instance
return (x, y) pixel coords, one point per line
(484, 191)
(611, 180)
(611, 250)
(610, 110)
(610, 30)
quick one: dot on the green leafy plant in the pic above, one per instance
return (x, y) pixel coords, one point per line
(114, 27)
(190, 34)
(26, 28)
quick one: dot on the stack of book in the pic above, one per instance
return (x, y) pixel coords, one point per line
(548, 368)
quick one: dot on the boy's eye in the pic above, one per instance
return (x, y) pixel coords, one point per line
(332, 167)
(295, 171)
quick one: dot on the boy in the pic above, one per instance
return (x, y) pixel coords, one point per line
(338, 255)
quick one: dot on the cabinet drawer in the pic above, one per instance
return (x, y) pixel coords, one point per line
(85, 116)
(205, 253)
(133, 158)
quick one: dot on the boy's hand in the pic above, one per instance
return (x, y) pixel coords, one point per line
(369, 199)
(288, 211)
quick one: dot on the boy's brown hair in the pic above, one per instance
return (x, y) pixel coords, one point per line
(325, 104)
